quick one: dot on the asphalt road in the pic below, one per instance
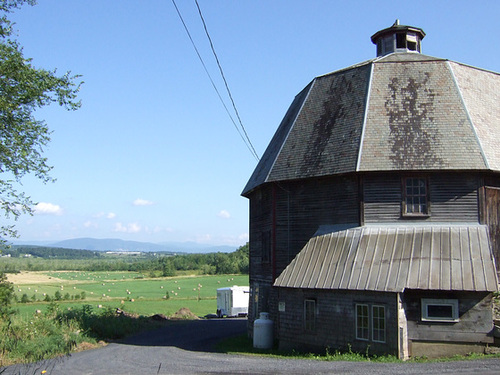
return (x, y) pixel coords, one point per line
(189, 348)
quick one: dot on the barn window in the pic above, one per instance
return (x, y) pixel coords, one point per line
(439, 310)
(362, 322)
(378, 326)
(415, 197)
(266, 246)
(310, 315)
(370, 318)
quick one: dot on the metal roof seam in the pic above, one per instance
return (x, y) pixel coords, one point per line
(338, 253)
(353, 248)
(364, 252)
(379, 271)
(441, 260)
(330, 263)
(410, 263)
(448, 266)
(421, 262)
(371, 266)
(341, 263)
(465, 254)
(317, 263)
(483, 257)
(325, 267)
(473, 268)
(302, 264)
(391, 263)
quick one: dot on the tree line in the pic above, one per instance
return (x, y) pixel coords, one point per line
(150, 263)
(50, 252)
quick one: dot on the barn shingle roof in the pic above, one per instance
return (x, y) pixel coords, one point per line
(402, 111)
(392, 259)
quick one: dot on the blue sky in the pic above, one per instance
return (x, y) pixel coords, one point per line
(152, 154)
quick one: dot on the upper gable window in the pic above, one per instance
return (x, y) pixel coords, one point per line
(415, 197)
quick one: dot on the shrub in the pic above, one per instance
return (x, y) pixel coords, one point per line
(6, 296)
(57, 295)
(35, 339)
(104, 324)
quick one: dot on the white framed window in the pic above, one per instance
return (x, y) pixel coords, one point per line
(370, 318)
(439, 310)
(362, 322)
(378, 323)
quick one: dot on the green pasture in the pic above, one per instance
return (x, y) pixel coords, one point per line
(125, 290)
(141, 307)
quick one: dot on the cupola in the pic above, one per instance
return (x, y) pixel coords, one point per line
(398, 38)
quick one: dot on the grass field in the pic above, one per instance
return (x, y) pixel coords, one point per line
(131, 291)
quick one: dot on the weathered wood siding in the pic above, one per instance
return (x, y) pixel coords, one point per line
(335, 320)
(261, 219)
(452, 197)
(292, 212)
(288, 214)
(475, 314)
(302, 206)
(492, 219)
(260, 273)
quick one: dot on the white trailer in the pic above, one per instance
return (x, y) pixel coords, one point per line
(232, 301)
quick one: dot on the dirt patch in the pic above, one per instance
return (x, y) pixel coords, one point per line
(184, 314)
(31, 278)
(87, 346)
(158, 317)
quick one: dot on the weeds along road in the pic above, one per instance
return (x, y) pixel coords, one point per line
(188, 347)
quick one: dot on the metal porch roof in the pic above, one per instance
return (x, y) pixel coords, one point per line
(395, 258)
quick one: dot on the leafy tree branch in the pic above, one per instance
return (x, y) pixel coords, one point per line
(23, 138)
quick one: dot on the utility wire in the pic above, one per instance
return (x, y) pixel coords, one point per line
(225, 81)
(249, 146)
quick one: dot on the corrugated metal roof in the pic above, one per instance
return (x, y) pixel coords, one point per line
(395, 258)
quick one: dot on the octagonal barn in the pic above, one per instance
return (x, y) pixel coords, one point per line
(374, 209)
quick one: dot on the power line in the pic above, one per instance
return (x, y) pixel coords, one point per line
(245, 138)
(224, 79)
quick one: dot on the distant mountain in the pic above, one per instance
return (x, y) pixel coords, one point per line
(114, 244)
